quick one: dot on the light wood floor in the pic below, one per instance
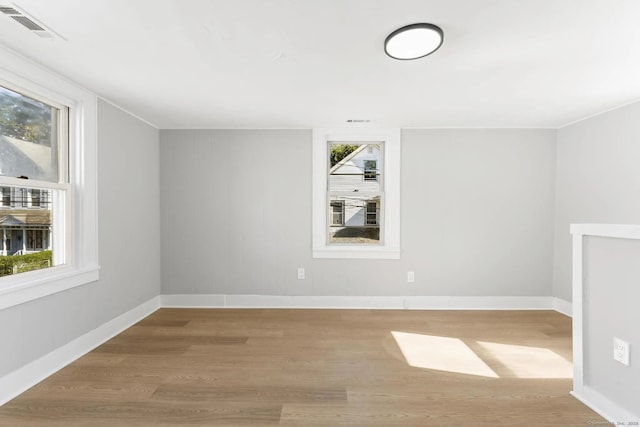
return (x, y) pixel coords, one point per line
(318, 367)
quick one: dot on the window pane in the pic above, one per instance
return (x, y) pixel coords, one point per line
(358, 223)
(355, 167)
(25, 230)
(28, 137)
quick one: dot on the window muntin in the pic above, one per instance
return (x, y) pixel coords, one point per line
(354, 180)
(33, 141)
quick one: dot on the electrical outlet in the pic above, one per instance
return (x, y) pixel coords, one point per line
(301, 274)
(621, 351)
(411, 277)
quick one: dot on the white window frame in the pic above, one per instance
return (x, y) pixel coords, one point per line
(390, 240)
(79, 204)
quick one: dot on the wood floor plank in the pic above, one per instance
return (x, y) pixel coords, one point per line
(318, 367)
(199, 393)
(467, 413)
(53, 412)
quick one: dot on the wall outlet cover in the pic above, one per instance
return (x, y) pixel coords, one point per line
(621, 351)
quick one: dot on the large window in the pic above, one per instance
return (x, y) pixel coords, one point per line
(356, 194)
(48, 227)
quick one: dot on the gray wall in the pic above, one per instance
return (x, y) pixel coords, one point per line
(477, 215)
(597, 180)
(611, 294)
(129, 245)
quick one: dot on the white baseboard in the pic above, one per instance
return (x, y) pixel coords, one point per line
(359, 302)
(605, 407)
(192, 301)
(563, 306)
(11, 385)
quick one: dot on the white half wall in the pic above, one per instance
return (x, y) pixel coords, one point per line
(606, 273)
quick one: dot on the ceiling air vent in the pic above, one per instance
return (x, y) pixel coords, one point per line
(9, 10)
(27, 21)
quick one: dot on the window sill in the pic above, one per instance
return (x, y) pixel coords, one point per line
(15, 290)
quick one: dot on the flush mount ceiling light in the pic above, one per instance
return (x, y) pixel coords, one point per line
(413, 41)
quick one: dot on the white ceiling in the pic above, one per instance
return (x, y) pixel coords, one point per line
(308, 63)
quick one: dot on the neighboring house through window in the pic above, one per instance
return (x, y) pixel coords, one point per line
(353, 184)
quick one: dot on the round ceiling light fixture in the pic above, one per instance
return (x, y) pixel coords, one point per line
(413, 41)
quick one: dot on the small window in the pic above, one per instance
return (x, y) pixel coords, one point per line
(35, 198)
(370, 170)
(6, 196)
(35, 241)
(337, 212)
(372, 213)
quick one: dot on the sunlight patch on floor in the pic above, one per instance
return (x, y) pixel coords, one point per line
(441, 353)
(453, 355)
(529, 362)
